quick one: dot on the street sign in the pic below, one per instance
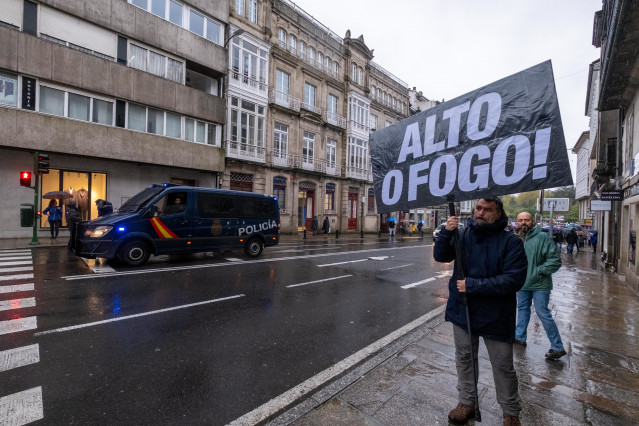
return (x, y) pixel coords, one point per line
(557, 204)
(612, 195)
(600, 206)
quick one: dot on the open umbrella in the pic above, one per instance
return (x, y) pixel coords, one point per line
(57, 195)
(392, 219)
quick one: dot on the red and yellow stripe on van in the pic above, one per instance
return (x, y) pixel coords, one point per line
(161, 229)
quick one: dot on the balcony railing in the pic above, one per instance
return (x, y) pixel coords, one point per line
(305, 163)
(283, 99)
(282, 160)
(311, 108)
(358, 173)
(247, 82)
(335, 120)
(245, 151)
(357, 126)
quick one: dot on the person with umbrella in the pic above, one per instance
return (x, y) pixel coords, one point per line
(490, 268)
(55, 217)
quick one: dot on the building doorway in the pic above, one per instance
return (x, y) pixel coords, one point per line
(305, 206)
(352, 210)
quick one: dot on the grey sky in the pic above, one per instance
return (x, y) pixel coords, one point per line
(446, 48)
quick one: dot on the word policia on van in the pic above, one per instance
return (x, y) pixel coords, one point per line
(503, 138)
(251, 229)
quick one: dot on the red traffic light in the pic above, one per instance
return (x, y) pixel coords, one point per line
(25, 178)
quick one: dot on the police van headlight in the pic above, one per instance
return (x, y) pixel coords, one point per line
(98, 232)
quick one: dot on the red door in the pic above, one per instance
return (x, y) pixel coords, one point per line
(352, 210)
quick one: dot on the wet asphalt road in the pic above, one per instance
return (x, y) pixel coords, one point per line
(204, 339)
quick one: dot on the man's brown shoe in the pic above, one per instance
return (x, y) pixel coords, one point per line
(511, 420)
(461, 414)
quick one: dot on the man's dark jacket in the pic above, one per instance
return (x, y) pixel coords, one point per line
(495, 266)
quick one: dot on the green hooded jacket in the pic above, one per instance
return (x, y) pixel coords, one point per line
(543, 260)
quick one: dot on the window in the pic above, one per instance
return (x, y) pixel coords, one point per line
(281, 37)
(79, 107)
(252, 16)
(331, 153)
(320, 60)
(247, 57)
(329, 198)
(371, 201)
(388, 123)
(76, 106)
(358, 112)
(309, 94)
(357, 153)
(308, 147)
(102, 112)
(136, 118)
(239, 7)
(247, 123)
(196, 23)
(158, 7)
(147, 60)
(311, 55)
(292, 44)
(155, 121)
(360, 73)
(372, 92)
(354, 73)
(302, 50)
(335, 68)
(176, 13)
(280, 140)
(332, 104)
(373, 122)
(282, 82)
(279, 191)
(213, 30)
(327, 65)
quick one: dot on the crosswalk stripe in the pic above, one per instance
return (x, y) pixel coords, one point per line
(15, 288)
(17, 325)
(26, 302)
(14, 252)
(16, 277)
(15, 269)
(25, 257)
(22, 407)
(19, 357)
(15, 263)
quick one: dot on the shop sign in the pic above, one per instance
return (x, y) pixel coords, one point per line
(503, 138)
(28, 93)
(612, 195)
(600, 206)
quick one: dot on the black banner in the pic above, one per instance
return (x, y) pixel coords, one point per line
(503, 138)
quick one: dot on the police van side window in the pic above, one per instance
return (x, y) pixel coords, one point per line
(173, 203)
(255, 207)
(215, 206)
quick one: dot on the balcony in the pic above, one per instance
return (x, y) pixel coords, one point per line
(358, 173)
(245, 151)
(333, 169)
(335, 120)
(311, 108)
(284, 100)
(244, 81)
(303, 162)
(358, 126)
(281, 159)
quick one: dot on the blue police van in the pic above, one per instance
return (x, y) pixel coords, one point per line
(172, 219)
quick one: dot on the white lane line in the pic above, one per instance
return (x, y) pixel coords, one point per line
(19, 357)
(15, 263)
(4, 270)
(22, 407)
(14, 252)
(19, 324)
(233, 259)
(98, 266)
(217, 265)
(396, 267)
(342, 263)
(427, 280)
(292, 395)
(318, 281)
(20, 257)
(91, 324)
(15, 277)
(15, 288)
(26, 302)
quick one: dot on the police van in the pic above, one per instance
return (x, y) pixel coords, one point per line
(172, 219)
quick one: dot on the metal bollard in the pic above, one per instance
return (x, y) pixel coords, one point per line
(304, 235)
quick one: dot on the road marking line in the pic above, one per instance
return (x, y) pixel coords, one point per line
(15, 263)
(91, 324)
(23, 257)
(278, 403)
(14, 252)
(233, 259)
(427, 280)
(19, 324)
(15, 288)
(15, 269)
(318, 281)
(217, 265)
(26, 302)
(22, 407)
(395, 267)
(19, 357)
(15, 277)
(342, 263)
(97, 266)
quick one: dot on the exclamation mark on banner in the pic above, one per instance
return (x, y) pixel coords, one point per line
(542, 142)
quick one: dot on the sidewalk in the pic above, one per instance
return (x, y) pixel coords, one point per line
(596, 383)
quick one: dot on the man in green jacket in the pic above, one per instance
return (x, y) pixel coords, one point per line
(543, 261)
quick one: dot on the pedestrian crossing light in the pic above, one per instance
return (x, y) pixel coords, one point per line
(25, 178)
(43, 164)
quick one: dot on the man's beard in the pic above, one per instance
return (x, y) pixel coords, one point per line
(523, 230)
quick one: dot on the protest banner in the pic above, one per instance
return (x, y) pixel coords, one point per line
(502, 138)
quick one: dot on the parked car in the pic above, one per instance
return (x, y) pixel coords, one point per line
(442, 226)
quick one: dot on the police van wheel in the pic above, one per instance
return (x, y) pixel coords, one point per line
(135, 253)
(253, 247)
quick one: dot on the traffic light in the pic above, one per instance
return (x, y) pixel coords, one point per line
(25, 178)
(43, 164)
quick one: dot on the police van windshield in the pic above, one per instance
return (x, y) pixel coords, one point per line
(139, 200)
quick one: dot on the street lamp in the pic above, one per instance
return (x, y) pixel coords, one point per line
(236, 33)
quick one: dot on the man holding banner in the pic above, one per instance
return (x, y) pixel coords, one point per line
(494, 265)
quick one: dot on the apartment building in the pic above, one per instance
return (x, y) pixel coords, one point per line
(301, 104)
(121, 94)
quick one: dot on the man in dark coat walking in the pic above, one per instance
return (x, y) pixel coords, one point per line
(494, 263)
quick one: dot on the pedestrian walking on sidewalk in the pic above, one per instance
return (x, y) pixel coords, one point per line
(494, 263)
(571, 240)
(391, 228)
(55, 217)
(593, 241)
(326, 226)
(543, 261)
(314, 225)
